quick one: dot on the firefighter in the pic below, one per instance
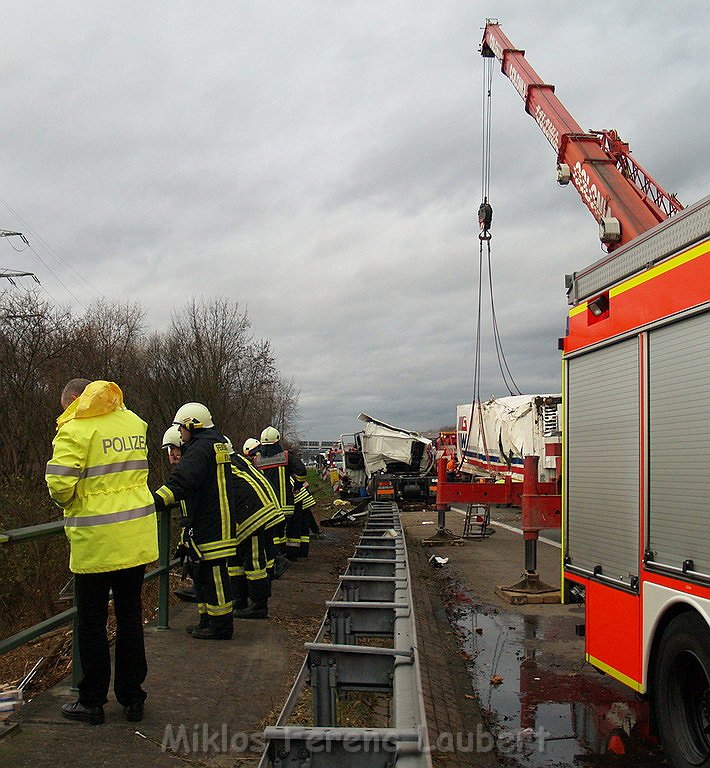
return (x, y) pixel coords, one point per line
(98, 474)
(256, 505)
(172, 443)
(279, 466)
(275, 529)
(203, 479)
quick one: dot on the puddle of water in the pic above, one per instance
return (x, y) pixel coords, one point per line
(588, 719)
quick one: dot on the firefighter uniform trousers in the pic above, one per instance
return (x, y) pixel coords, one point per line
(248, 572)
(294, 523)
(278, 535)
(280, 480)
(275, 533)
(213, 592)
(303, 498)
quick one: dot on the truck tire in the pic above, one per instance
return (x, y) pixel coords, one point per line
(681, 691)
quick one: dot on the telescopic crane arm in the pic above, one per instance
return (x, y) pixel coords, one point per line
(623, 198)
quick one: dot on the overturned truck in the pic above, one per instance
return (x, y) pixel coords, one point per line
(494, 437)
(388, 462)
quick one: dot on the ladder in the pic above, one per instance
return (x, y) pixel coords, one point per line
(476, 524)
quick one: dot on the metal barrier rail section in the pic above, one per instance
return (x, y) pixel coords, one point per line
(56, 527)
(373, 600)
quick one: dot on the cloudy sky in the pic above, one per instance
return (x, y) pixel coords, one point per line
(319, 161)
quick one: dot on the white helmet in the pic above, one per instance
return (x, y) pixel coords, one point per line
(193, 416)
(249, 444)
(270, 436)
(229, 445)
(172, 437)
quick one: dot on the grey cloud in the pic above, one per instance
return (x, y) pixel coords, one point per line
(320, 163)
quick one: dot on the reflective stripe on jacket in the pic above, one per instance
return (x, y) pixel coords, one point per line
(283, 470)
(256, 503)
(304, 497)
(98, 474)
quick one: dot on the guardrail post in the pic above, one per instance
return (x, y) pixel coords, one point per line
(164, 581)
(323, 686)
(339, 629)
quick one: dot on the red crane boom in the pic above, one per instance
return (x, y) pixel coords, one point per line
(623, 198)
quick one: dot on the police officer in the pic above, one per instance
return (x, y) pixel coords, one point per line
(279, 467)
(203, 478)
(98, 474)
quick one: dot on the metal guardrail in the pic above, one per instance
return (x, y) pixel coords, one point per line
(162, 572)
(373, 600)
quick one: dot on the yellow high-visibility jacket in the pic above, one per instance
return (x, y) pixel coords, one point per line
(98, 474)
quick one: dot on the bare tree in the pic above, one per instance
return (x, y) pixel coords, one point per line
(208, 354)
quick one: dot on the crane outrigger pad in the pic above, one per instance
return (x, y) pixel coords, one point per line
(529, 590)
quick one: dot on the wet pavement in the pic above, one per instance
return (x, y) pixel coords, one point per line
(540, 701)
(541, 713)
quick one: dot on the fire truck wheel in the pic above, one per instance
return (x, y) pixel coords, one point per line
(681, 692)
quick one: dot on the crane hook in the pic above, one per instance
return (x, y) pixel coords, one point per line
(485, 217)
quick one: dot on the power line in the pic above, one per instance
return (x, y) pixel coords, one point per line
(55, 254)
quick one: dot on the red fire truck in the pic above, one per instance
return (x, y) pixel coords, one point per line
(636, 440)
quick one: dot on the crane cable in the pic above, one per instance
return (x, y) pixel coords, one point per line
(485, 218)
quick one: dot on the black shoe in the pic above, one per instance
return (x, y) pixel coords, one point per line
(252, 612)
(77, 711)
(134, 712)
(190, 628)
(210, 633)
(186, 595)
(281, 567)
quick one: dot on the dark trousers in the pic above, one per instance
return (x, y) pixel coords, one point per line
(91, 591)
(313, 526)
(214, 591)
(278, 536)
(248, 574)
(305, 535)
(293, 531)
(269, 549)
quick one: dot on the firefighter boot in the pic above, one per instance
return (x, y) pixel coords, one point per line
(203, 624)
(280, 566)
(254, 611)
(219, 628)
(292, 553)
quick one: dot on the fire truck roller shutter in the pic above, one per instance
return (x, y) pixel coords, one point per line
(679, 444)
(602, 526)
